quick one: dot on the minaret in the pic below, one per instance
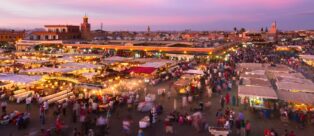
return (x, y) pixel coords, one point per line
(273, 28)
(148, 29)
(85, 28)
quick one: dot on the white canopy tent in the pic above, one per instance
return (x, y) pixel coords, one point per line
(23, 79)
(193, 71)
(50, 70)
(25, 61)
(154, 64)
(79, 65)
(117, 59)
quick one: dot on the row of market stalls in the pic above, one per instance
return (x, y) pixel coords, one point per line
(262, 85)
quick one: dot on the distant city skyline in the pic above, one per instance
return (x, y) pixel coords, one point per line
(136, 15)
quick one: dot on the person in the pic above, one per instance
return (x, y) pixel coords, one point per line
(291, 133)
(75, 132)
(42, 115)
(28, 102)
(168, 126)
(126, 126)
(64, 107)
(90, 132)
(20, 122)
(94, 107)
(286, 133)
(58, 125)
(247, 128)
(4, 105)
(46, 106)
(222, 101)
(101, 123)
(181, 120)
(266, 132)
(227, 98)
(140, 132)
(242, 131)
(234, 100)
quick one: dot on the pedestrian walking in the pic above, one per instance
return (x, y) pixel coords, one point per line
(28, 102)
(4, 105)
(247, 128)
(140, 132)
(227, 98)
(222, 101)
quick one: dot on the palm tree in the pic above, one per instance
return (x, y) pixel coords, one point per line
(235, 29)
(242, 30)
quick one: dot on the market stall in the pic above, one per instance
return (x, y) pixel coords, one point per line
(297, 100)
(308, 59)
(259, 97)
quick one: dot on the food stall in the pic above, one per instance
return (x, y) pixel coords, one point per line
(259, 97)
(297, 100)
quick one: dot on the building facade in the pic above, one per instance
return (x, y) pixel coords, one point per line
(11, 35)
(57, 32)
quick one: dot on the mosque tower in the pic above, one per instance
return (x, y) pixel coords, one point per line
(85, 28)
(273, 28)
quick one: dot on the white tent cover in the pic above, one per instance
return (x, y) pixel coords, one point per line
(51, 70)
(25, 79)
(117, 58)
(79, 65)
(193, 71)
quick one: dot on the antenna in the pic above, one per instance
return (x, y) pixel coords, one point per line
(101, 25)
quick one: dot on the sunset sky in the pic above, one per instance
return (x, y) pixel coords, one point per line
(159, 14)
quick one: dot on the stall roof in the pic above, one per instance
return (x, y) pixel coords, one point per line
(144, 70)
(182, 82)
(193, 71)
(289, 75)
(295, 80)
(250, 75)
(51, 70)
(79, 65)
(19, 78)
(279, 68)
(24, 61)
(291, 86)
(256, 82)
(250, 66)
(154, 64)
(308, 57)
(89, 75)
(145, 60)
(257, 91)
(298, 97)
(117, 58)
